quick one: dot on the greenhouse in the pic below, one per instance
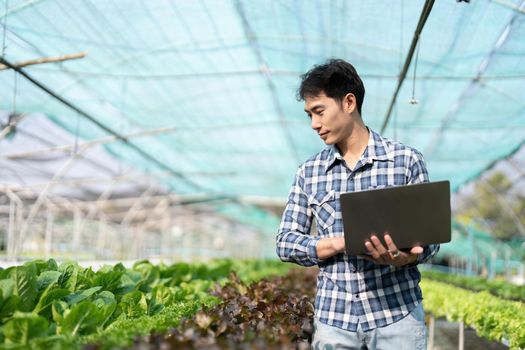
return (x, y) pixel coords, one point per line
(153, 191)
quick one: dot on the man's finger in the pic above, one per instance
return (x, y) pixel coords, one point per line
(390, 243)
(371, 248)
(378, 245)
(416, 250)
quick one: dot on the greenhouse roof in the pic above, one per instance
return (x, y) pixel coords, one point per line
(205, 90)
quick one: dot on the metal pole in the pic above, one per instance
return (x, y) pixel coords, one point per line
(139, 242)
(165, 241)
(431, 326)
(99, 141)
(15, 224)
(461, 345)
(48, 242)
(492, 272)
(470, 253)
(11, 230)
(77, 217)
(507, 264)
(101, 239)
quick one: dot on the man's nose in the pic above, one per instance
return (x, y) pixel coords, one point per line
(316, 125)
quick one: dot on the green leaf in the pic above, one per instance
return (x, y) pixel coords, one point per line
(134, 304)
(47, 278)
(110, 280)
(106, 304)
(9, 306)
(25, 286)
(179, 272)
(24, 327)
(42, 265)
(69, 276)
(119, 267)
(59, 310)
(129, 281)
(7, 286)
(162, 294)
(150, 275)
(82, 319)
(50, 295)
(82, 295)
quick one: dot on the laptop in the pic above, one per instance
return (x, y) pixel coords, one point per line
(413, 215)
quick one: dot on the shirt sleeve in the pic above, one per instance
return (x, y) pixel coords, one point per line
(294, 242)
(417, 173)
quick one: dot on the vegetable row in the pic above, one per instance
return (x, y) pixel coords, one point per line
(498, 288)
(274, 313)
(493, 318)
(44, 305)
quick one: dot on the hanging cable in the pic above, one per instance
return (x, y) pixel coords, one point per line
(5, 28)
(15, 91)
(413, 100)
(422, 20)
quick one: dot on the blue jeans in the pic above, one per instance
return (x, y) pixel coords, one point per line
(409, 333)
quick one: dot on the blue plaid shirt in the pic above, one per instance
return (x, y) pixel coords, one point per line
(351, 290)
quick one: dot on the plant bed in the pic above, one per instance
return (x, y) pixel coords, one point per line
(499, 288)
(493, 318)
(274, 313)
(44, 305)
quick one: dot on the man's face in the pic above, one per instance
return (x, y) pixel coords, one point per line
(329, 118)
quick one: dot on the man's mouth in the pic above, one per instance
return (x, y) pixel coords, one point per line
(323, 135)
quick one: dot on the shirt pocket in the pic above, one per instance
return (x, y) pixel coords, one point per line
(323, 207)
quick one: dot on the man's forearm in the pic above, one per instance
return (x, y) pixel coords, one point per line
(330, 246)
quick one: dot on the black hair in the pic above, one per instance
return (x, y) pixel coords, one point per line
(336, 78)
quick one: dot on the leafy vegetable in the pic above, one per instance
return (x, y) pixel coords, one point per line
(492, 318)
(70, 304)
(498, 288)
(23, 327)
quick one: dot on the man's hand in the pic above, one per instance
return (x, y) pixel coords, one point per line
(390, 254)
(330, 246)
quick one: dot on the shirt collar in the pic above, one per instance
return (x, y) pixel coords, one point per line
(377, 149)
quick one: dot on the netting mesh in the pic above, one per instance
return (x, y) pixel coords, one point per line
(224, 74)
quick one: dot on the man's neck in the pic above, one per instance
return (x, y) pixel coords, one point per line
(354, 146)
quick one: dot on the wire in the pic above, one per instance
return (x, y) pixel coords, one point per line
(15, 91)
(5, 28)
(422, 20)
(413, 99)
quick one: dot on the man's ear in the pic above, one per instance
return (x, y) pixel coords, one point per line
(349, 103)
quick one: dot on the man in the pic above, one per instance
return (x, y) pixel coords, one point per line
(362, 302)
